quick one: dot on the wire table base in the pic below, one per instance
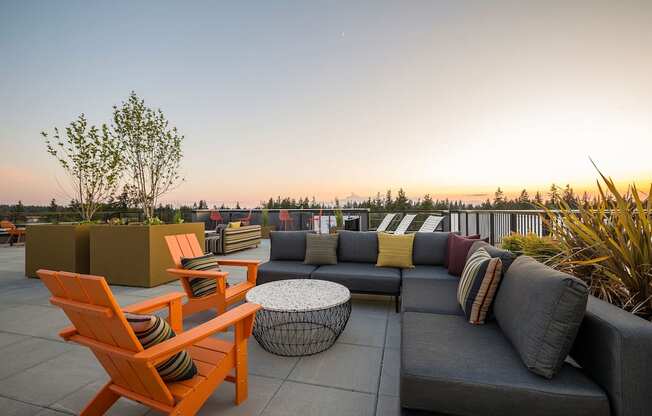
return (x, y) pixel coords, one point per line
(300, 333)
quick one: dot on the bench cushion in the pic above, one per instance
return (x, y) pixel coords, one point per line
(358, 247)
(430, 248)
(453, 367)
(430, 289)
(282, 270)
(362, 277)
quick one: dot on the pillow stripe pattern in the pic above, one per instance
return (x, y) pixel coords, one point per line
(201, 286)
(151, 330)
(478, 285)
(395, 250)
(321, 249)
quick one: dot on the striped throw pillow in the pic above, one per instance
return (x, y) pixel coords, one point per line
(201, 286)
(478, 285)
(151, 330)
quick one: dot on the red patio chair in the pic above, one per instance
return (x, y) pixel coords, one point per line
(285, 218)
(216, 217)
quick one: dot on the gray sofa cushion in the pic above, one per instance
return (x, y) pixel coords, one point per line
(505, 256)
(321, 249)
(430, 289)
(362, 277)
(287, 245)
(540, 310)
(615, 348)
(283, 269)
(455, 368)
(358, 247)
(429, 248)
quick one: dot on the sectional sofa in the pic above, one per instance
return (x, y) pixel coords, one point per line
(449, 366)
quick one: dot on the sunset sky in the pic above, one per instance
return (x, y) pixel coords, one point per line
(328, 98)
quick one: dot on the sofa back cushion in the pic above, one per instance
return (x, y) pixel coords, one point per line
(429, 249)
(287, 245)
(540, 311)
(358, 246)
(505, 256)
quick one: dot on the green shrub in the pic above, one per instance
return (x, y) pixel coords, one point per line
(608, 244)
(544, 249)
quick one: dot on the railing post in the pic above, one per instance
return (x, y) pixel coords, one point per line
(477, 224)
(492, 240)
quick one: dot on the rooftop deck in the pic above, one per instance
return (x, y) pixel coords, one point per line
(42, 375)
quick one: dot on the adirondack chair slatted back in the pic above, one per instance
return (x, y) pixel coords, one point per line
(183, 245)
(94, 312)
(8, 225)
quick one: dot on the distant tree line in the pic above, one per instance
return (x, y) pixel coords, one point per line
(122, 202)
(401, 202)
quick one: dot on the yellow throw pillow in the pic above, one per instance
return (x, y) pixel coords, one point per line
(234, 224)
(395, 250)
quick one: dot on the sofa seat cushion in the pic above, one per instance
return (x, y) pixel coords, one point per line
(362, 277)
(452, 367)
(282, 270)
(430, 289)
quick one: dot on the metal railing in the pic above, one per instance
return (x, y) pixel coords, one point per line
(300, 219)
(495, 225)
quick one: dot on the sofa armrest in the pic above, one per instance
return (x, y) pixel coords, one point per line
(614, 348)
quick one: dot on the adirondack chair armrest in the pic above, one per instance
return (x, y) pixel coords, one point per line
(197, 273)
(155, 304)
(251, 265)
(162, 351)
(238, 262)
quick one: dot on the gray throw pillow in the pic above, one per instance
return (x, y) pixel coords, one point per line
(539, 310)
(321, 249)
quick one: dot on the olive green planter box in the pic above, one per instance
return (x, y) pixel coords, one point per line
(59, 247)
(136, 255)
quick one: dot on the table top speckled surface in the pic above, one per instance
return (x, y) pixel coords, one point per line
(299, 295)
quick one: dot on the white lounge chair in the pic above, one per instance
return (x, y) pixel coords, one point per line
(404, 224)
(430, 224)
(385, 222)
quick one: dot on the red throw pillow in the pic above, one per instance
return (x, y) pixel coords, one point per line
(458, 248)
(448, 245)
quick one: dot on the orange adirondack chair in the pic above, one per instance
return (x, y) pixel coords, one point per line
(99, 323)
(186, 245)
(13, 231)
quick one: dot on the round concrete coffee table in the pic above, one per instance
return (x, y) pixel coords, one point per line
(299, 316)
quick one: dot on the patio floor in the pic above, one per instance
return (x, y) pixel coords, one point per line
(42, 375)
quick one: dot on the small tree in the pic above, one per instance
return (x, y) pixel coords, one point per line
(91, 158)
(151, 151)
(339, 218)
